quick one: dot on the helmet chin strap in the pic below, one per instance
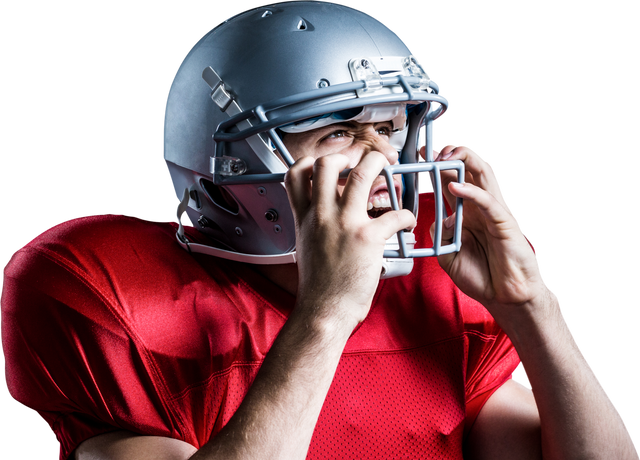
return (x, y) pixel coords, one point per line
(390, 267)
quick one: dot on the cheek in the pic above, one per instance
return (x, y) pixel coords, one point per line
(296, 149)
(300, 148)
(292, 148)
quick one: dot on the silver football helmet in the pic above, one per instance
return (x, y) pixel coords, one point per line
(289, 67)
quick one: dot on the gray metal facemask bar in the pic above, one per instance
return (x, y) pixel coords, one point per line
(262, 112)
(244, 120)
(435, 169)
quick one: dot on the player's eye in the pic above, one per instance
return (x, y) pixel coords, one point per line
(336, 134)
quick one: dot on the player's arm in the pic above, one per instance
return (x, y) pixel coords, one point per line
(277, 417)
(123, 444)
(507, 427)
(497, 267)
(339, 262)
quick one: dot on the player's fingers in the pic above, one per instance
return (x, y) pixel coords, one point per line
(393, 221)
(326, 171)
(499, 221)
(446, 175)
(481, 173)
(360, 180)
(448, 228)
(297, 182)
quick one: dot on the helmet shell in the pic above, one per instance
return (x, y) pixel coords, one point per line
(262, 55)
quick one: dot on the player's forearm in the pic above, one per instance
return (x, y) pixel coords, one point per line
(277, 417)
(577, 418)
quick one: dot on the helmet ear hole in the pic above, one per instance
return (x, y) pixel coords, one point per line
(220, 196)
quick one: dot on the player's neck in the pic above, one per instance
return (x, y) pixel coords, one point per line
(285, 276)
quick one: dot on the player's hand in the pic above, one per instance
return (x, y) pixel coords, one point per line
(339, 247)
(496, 265)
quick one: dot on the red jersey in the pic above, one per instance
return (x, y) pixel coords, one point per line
(108, 324)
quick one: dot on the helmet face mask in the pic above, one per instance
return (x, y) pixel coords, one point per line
(289, 67)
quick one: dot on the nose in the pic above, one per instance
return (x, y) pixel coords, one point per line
(388, 151)
(381, 144)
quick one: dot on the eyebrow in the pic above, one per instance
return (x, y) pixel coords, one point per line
(347, 124)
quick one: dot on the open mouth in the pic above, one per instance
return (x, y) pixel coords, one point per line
(378, 204)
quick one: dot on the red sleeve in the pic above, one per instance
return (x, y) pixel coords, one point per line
(41, 333)
(67, 352)
(491, 359)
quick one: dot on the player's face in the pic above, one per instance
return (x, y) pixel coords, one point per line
(353, 140)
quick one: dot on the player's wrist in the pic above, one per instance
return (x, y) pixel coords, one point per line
(535, 323)
(331, 318)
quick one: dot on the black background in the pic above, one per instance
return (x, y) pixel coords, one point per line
(536, 93)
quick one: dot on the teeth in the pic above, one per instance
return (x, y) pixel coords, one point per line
(379, 202)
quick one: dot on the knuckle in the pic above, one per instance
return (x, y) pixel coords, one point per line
(358, 175)
(365, 235)
(296, 171)
(403, 219)
(327, 161)
(384, 153)
(323, 162)
(299, 166)
(288, 179)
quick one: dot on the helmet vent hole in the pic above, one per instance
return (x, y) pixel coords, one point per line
(302, 25)
(220, 196)
(266, 14)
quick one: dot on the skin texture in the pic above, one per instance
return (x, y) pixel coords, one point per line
(340, 253)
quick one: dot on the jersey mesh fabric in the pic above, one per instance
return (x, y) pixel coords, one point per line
(401, 418)
(107, 324)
